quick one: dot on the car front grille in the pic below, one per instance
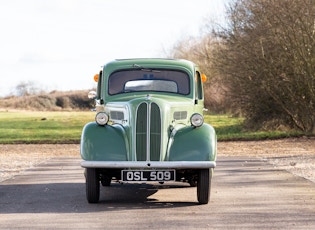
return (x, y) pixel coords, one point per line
(148, 132)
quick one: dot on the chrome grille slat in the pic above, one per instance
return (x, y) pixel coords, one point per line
(148, 132)
(155, 132)
(141, 132)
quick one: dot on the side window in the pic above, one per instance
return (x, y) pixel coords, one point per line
(198, 95)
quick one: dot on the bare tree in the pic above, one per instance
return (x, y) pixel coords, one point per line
(200, 50)
(27, 88)
(267, 58)
(262, 62)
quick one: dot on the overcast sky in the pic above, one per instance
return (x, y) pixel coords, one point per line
(61, 44)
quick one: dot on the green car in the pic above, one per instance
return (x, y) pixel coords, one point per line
(149, 127)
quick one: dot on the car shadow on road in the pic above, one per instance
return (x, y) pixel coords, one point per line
(70, 198)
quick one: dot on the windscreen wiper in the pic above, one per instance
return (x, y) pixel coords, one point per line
(145, 69)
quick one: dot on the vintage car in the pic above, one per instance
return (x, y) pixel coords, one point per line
(149, 127)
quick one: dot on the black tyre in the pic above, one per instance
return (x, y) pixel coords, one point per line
(204, 186)
(92, 184)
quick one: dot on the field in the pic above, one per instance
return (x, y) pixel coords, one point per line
(229, 128)
(65, 127)
(42, 127)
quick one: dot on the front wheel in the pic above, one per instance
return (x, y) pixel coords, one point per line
(92, 184)
(204, 185)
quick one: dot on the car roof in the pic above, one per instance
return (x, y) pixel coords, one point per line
(150, 63)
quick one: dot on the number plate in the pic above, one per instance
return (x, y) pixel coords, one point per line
(148, 175)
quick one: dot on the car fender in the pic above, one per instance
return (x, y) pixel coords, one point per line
(193, 144)
(103, 143)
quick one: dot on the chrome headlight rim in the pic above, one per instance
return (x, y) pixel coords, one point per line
(101, 118)
(196, 120)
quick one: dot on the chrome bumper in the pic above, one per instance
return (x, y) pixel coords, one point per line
(149, 165)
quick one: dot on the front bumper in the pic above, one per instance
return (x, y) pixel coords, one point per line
(149, 165)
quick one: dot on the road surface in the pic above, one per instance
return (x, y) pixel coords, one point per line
(247, 193)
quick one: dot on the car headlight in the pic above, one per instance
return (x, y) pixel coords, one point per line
(101, 118)
(196, 120)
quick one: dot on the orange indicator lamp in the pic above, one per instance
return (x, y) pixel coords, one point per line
(96, 77)
(203, 77)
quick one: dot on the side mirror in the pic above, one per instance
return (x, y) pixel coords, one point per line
(92, 95)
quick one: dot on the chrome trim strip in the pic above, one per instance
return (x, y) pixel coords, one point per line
(161, 139)
(148, 130)
(150, 164)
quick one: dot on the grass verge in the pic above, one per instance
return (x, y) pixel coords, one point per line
(66, 127)
(42, 127)
(230, 128)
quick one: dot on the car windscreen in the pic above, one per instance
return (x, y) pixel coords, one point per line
(170, 81)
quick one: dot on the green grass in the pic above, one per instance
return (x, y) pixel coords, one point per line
(42, 127)
(226, 127)
(231, 128)
(66, 127)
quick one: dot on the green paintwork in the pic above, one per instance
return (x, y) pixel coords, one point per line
(179, 140)
(194, 144)
(103, 143)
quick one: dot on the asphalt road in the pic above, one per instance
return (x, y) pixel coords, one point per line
(246, 194)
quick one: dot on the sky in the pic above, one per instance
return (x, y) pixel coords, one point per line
(62, 44)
